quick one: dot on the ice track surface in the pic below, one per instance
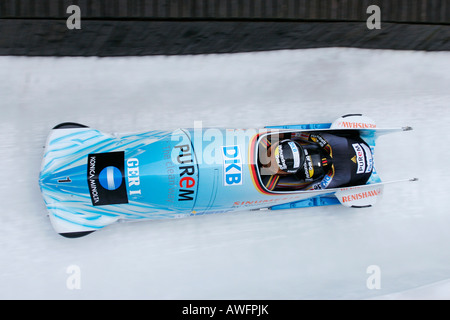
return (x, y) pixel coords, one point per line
(314, 253)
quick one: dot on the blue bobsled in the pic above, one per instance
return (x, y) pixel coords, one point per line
(90, 179)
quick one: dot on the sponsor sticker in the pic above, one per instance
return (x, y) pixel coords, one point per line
(110, 178)
(187, 172)
(369, 158)
(232, 166)
(360, 158)
(356, 125)
(361, 195)
(279, 157)
(317, 138)
(326, 180)
(308, 167)
(295, 154)
(106, 178)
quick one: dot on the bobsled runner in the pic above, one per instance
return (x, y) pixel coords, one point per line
(90, 179)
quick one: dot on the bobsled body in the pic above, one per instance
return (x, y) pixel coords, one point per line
(90, 179)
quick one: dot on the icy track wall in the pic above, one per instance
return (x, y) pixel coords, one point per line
(168, 27)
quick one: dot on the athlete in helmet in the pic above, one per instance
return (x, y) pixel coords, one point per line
(316, 161)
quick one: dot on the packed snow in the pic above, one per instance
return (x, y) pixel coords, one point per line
(398, 249)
